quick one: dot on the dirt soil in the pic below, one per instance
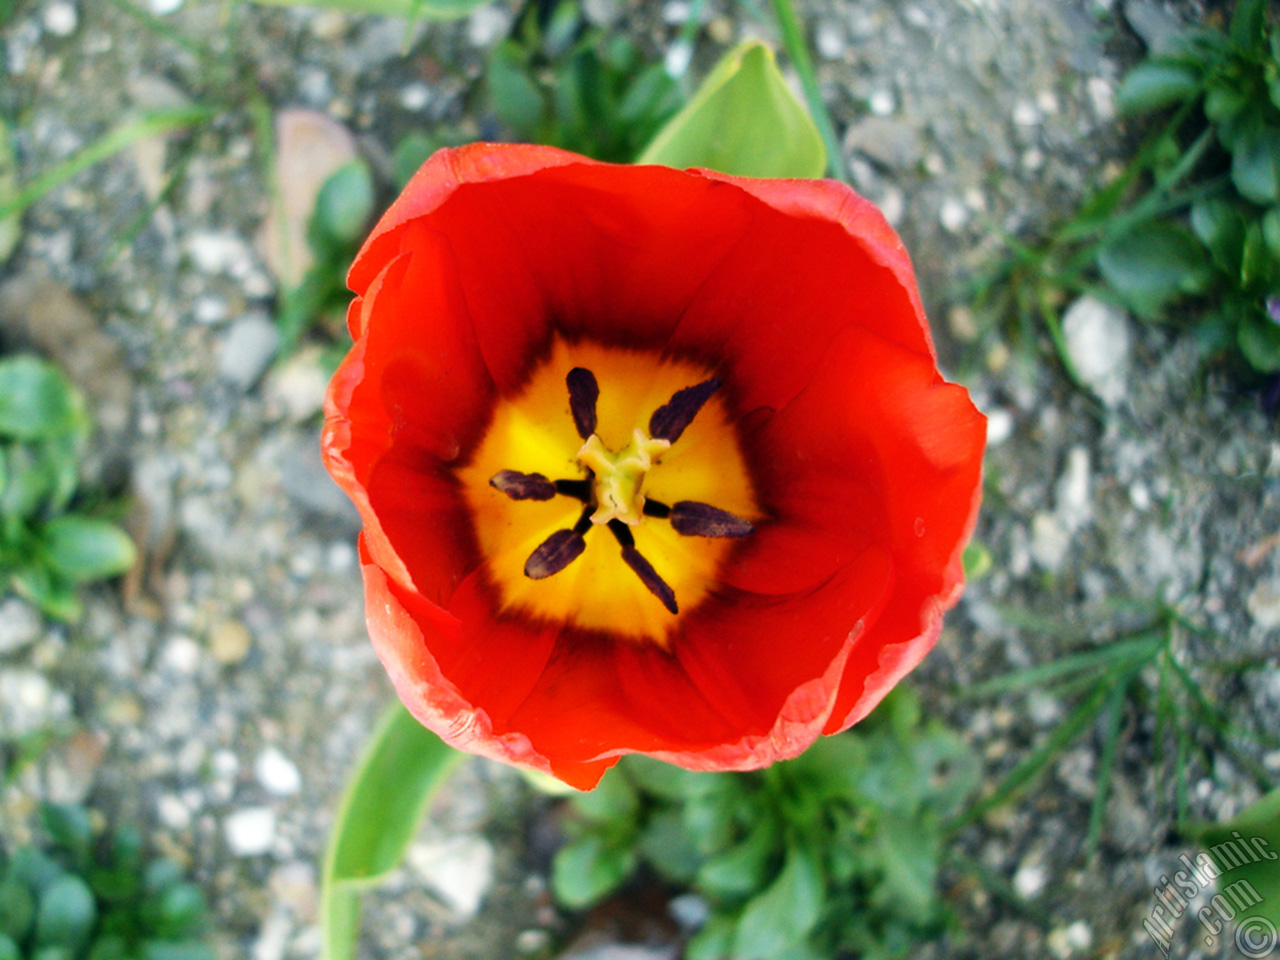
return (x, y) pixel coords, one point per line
(221, 694)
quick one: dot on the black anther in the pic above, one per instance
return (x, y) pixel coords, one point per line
(523, 486)
(671, 419)
(694, 519)
(583, 393)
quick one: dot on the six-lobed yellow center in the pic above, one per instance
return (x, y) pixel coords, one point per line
(624, 467)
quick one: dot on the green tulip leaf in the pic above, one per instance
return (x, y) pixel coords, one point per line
(8, 949)
(1246, 852)
(1259, 341)
(53, 595)
(416, 9)
(82, 549)
(17, 909)
(36, 400)
(402, 766)
(1154, 84)
(743, 120)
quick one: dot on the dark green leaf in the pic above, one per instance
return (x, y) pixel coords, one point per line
(66, 913)
(1255, 165)
(1247, 23)
(1154, 264)
(17, 909)
(1259, 340)
(10, 226)
(384, 802)
(909, 855)
(111, 947)
(671, 782)
(1271, 232)
(1155, 84)
(613, 799)
(345, 202)
(713, 942)
(1219, 225)
(181, 909)
(783, 915)
(1260, 269)
(588, 869)
(32, 482)
(82, 548)
(55, 596)
(36, 400)
(410, 154)
(34, 869)
(68, 826)
(670, 847)
(8, 949)
(175, 950)
(708, 820)
(515, 96)
(744, 868)
(743, 120)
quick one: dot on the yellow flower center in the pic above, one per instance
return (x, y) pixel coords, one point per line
(607, 493)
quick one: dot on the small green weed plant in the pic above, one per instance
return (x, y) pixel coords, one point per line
(1190, 229)
(833, 854)
(85, 896)
(48, 545)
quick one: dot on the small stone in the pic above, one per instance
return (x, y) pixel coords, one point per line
(1025, 114)
(162, 7)
(173, 813)
(1030, 879)
(299, 384)
(248, 350)
(1263, 605)
(1097, 341)
(28, 703)
(1065, 942)
(250, 832)
(229, 642)
(294, 886)
(1049, 541)
(953, 215)
(278, 774)
(532, 941)
(19, 625)
(1075, 508)
(216, 252)
(829, 41)
(882, 103)
(999, 426)
(488, 24)
(459, 869)
(182, 654)
(61, 19)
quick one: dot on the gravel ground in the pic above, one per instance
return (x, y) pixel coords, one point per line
(221, 695)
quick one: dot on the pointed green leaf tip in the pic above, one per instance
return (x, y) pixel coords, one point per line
(385, 800)
(743, 121)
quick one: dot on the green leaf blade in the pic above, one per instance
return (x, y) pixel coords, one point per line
(400, 770)
(82, 549)
(743, 121)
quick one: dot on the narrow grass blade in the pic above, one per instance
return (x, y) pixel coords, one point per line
(1137, 649)
(112, 142)
(385, 800)
(1114, 712)
(1067, 731)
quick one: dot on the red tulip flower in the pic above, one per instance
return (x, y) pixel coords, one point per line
(648, 460)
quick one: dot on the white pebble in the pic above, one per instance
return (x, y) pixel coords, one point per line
(1097, 341)
(459, 869)
(999, 426)
(277, 773)
(173, 813)
(1030, 880)
(182, 654)
(415, 96)
(882, 103)
(487, 25)
(61, 19)
(1025, 114)
(953, 215)
(251, 831)
(829, 42)
(161, 7)
(19, 625)
(1075, 509)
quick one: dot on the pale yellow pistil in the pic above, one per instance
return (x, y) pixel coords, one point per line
(620, 476)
